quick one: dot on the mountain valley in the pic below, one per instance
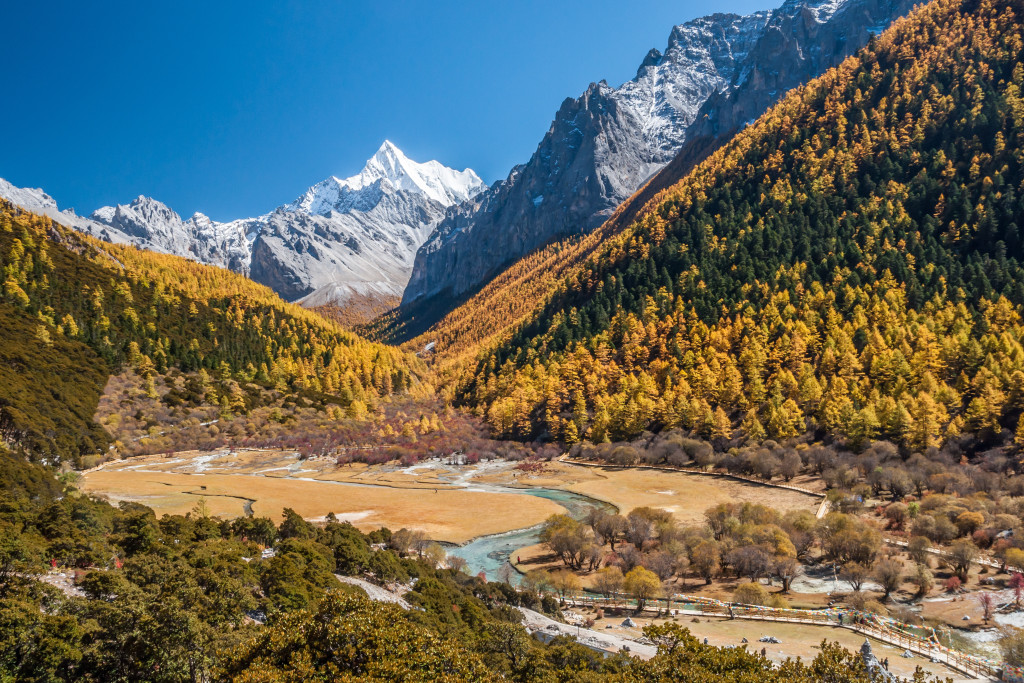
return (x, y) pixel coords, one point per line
(738, 354)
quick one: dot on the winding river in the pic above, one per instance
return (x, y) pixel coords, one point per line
(488, 553)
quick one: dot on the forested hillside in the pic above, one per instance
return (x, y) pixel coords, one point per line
(848, 264)
(75, 309)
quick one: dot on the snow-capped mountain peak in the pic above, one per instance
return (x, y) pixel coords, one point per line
(390, 165)
(444, 185)
(821, 10)
(200, 219)
(145, 219)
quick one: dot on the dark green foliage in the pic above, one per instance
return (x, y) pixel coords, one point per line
(351, 549)
(48, 392)
(24, 480)
(294, 526)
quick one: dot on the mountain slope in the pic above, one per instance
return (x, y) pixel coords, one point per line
(849, 264)
(352, 238)
(74, 309)
(603, 145)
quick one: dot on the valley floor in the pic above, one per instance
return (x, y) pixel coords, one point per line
(447, 501)
(266, 482)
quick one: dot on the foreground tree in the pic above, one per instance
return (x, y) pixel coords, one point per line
(567, 538)
(855, 574)
(608, 581)
(1017, 584)
(1012, 645)
(705, 559)
(960, 558)
(922, 578)
(988, 605)
(349, 638)
(750, 594)
(888, 573)
(787, 569)
(565, 583)
(642, 585)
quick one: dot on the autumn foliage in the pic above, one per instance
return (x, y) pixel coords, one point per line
(849, 265)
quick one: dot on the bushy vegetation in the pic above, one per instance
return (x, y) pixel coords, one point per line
(748, 540)
(151, 413)
(936, 495)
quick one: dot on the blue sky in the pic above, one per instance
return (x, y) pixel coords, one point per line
(233, 108)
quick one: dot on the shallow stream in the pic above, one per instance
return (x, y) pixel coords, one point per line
(488, 553)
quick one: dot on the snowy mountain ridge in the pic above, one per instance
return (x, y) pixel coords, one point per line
(343, 237)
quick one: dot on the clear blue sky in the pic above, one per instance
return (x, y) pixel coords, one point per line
(233, 108)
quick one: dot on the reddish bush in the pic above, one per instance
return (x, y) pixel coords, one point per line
(983, 538)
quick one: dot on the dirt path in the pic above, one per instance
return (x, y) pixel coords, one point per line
(374, 592)
(546, 629)
(61, 580)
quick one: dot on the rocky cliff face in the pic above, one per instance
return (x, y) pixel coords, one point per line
(343, 238)
(801, 43)
(150, 224)
(717, 73)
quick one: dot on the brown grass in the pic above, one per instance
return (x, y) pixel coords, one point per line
(278, 479)
(686, 495)
(554, 475)
(448, 515)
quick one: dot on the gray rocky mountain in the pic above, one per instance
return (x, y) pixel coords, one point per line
(717, 73)
(150, 224)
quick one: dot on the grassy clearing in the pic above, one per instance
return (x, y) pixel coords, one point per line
(448, 515)
(278, 479)
(685, 495)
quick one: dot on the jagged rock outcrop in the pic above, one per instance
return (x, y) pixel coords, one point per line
(878, 672)
(717, 73)
(151, 224)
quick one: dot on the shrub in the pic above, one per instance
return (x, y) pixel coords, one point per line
(750, 594)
